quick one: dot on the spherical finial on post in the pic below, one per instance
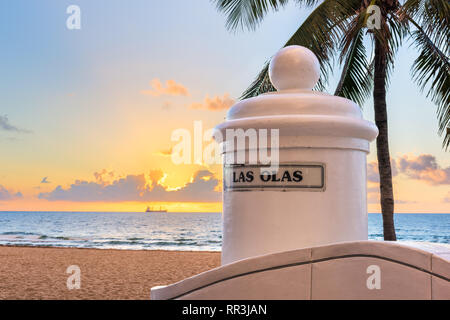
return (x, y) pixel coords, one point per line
(294, 68)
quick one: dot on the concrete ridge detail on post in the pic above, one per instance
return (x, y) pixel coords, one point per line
(311, 126)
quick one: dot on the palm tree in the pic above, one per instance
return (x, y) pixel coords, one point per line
(336, 29)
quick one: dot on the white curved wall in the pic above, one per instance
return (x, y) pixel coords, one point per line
(338, 271)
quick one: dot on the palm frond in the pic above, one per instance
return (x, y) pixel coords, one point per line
(357, 75)
(398, 29)
(247, 14)
(434, 18)
(321, 33)
(391, 34)
(432, 69)
(412, 8)
(260, 85)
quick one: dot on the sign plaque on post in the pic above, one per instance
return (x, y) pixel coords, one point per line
(305, 177)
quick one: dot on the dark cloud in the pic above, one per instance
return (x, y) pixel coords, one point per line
(203, 174)
(7, 126)
(420, 163)
(104, 176)
(424, 167)
(135, 188)
(372, 171)
(7, 195)
(44, 180)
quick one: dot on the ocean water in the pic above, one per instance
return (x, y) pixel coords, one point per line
(169, 231)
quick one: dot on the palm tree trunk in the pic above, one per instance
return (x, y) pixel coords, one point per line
(384, 159)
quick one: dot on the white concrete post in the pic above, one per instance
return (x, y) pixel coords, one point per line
(318, 194)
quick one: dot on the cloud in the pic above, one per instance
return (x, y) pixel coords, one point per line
(203, 174)
(424, 167)
(172, 89)
(201, 188)
(420, 163)
(7, 195)
(399, 201)
(156, 176)
(373, 197)
(164, 153)
(214, 104)
(7, 126)
(447, 198)
(44, 180)
(104, 176)
(373, 174)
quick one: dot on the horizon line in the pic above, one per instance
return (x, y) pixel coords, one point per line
(62, 211)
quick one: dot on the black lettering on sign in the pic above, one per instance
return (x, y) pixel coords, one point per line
(234, 177)
(286, 176)
(298, 176)
(292, 176)
(274, 178)
(265, 176)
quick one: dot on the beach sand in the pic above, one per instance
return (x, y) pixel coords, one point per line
(40, 273)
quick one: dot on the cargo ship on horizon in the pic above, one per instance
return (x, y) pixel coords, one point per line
(149, 209)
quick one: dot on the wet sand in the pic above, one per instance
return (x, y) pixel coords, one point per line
(40, 273)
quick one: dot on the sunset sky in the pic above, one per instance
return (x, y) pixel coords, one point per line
(86, 116)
